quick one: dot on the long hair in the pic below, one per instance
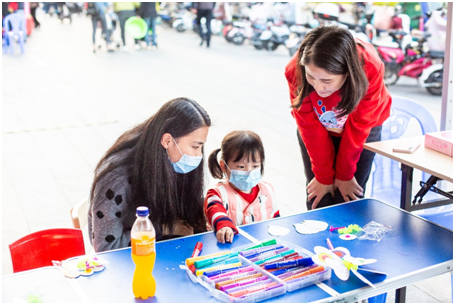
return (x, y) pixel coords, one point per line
(333, 49)
(155, 184)
(234, 147)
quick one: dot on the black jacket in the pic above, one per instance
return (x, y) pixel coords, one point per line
(147, 10)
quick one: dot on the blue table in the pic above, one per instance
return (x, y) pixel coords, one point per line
(414, 250)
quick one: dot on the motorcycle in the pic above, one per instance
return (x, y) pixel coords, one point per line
(272, 37)
(431, 78)
(295, 39)
(404, 57)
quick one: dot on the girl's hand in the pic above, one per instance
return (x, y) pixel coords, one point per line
(317, 190)
(225, 234)
(349, 189)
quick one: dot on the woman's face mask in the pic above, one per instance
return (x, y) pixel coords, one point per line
(186, 163)
(244, 180)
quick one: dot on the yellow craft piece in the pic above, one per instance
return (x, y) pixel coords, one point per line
(350, 265)
(190, 261)
(220, 267)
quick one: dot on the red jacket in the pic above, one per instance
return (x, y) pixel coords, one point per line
(354, 128)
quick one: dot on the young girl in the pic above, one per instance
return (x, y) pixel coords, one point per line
(241, 197)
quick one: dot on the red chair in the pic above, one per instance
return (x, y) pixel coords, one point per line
(40, 248)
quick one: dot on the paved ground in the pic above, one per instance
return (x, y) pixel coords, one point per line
(64, 106)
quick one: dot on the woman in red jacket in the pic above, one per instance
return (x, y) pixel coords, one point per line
(339, 102)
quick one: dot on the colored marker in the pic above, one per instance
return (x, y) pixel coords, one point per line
(306, 273)
(224, 283)
(294, 263)
(267, 289)
(281, 271)
(253, 289)
(211, 261)
(288, 257)
(247, 253)
(243, 283)
(190, 261)
(226, 262)
(329, 243)
(197, 249)
(217, 272)
(221, 275)
(275, 256)
(196, 252)
(234, 277)
(294, 272)
(266, 243)
(220, 267)
(267, 254)
(231, 290)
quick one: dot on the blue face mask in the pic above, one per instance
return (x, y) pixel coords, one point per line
(245, 181)
(186, 163)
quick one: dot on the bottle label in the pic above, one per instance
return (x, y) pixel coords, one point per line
(144, 246)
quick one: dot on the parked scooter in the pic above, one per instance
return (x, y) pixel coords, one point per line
(431, 78)
(272, 37)
(404, 57)
(295, 39)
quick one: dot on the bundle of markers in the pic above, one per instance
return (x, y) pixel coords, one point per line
(267, 267)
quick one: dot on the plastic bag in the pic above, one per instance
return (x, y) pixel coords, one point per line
(374, 231)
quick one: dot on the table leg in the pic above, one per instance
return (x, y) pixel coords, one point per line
(400, 295)
(406, 186)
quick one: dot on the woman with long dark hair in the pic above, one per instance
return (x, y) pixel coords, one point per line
(339, 102)
(158, 164)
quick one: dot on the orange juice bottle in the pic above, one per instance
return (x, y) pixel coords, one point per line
(143, 253)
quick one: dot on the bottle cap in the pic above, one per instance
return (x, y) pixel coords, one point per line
(142, 211)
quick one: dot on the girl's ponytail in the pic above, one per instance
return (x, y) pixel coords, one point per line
(214, 166)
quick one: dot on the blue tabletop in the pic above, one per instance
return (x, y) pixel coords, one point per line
(412, 245)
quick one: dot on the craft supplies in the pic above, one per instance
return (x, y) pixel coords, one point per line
(252, 282)
(196, 252)
(310, 226)
(374, 231)
(278, 231)
(351, 229)
(341, 261)
(331, 229)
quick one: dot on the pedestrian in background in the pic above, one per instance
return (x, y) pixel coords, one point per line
(204, 10)
(98, 12)
(125, 10)
(149, 12)
(33, 7)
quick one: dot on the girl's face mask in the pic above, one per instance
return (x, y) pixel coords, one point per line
(186, 163)
(243, 180)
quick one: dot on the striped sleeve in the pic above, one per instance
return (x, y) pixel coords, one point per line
(216, 213)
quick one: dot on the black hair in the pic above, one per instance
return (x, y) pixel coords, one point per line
(333, 49)
(234, 147)
(155, 184)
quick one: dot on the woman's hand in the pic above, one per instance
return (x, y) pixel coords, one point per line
(349, 189)
(317, 190)
(225, 234)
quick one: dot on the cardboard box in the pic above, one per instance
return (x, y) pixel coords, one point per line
(440, 141)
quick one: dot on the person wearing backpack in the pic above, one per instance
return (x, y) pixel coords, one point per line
(98, 12)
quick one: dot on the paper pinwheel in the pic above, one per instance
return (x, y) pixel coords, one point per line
(341, 261)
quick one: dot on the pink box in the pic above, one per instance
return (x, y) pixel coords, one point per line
(440, 141)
